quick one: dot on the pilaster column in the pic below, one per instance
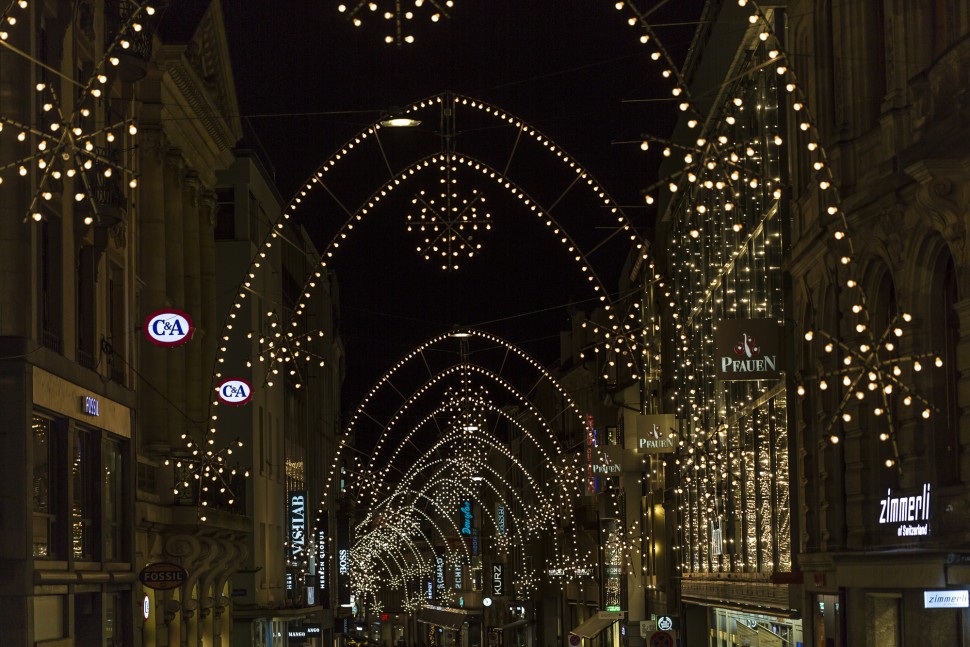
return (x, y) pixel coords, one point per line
(195, 394)
(963, 386)
(211, 320)
(175, 287)
(151, 264)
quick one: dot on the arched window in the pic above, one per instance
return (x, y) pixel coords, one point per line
(945, 324)
(882, 427)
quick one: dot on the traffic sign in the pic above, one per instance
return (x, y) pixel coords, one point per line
(662, 639)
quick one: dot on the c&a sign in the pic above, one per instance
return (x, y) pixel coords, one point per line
(235, 391)
(748, 349)
(169, 328)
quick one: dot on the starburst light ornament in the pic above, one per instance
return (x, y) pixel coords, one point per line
(81, 152)
(871, 373)
(449, 224)
(397, 14)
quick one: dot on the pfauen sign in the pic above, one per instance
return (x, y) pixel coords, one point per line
(168, 328)
(235, 391)
(657, 434)
(748, 349)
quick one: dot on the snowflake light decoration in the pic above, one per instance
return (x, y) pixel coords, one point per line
(82, 146)
(872, 373)
(400, 16)
(449, 224)
(8, 18)
(205, 473)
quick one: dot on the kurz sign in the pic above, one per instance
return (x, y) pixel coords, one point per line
(748, 349)
(163, 575)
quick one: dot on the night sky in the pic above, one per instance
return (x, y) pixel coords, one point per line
(307, 80)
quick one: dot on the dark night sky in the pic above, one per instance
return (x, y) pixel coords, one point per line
(308, 81)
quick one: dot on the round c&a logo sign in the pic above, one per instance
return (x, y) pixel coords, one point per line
(169, 328)
(235, 391)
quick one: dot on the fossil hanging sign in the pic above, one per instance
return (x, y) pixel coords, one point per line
(748, 349)
(163, 575)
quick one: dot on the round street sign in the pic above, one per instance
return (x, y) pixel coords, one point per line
(163, 575)
(169, 328)
(661, 639)
(235, 391)
(574, 640)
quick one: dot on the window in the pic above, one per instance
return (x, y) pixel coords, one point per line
(42, 487)
(948, 438)
(116, 620)
(112, 495)
(49, 277)
(85, 303)
(225, 214)
(83, 461)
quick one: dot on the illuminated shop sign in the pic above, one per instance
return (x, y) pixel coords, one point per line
(343, 561)
(168, 328)
(657, 434)
(591, 480)
(89, 406)
(605, 468)
(946, 599)
(322, 562)
(235, 391)
(458, 579)
(430, 594)
(500, 518)
(498, 579)
(748, 349)
(297, 525)
(466, 518)
(910, 514)
(439, 573)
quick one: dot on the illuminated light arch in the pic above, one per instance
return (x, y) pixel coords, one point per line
(546, 459)
(461, 369)
(284, 352)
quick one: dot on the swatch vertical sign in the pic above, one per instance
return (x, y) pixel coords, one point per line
(748, 349)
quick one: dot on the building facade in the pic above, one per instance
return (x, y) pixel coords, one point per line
(111, 218)
(887, 85)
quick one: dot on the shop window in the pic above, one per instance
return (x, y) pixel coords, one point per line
(43, 487)
(49, 614)
(116, 620)
(84, 482)
(883, 618)
(112, 497)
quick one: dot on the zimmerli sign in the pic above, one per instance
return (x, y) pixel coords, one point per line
(910, 514)
(748, 349)
(169, 328)
(946, 599)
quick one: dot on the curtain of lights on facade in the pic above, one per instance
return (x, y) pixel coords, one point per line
(727, 254)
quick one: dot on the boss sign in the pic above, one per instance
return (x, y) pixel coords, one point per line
(169, 328)
(235, 391)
